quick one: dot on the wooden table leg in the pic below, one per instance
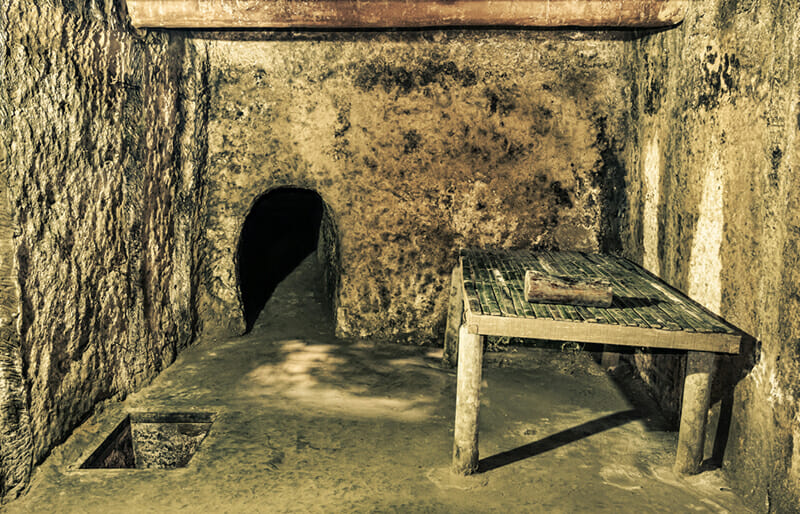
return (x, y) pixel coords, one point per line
(455, 311)
(468, 401)
(696, 400)
(610, 357)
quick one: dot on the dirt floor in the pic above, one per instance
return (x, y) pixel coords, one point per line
(305, 422)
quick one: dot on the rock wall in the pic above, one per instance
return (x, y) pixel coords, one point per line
(130, 161)
(97, 216)
(419, 143)
(714, 209)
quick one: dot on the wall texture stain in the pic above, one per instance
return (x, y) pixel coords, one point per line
(419, 143)
(97, 215)
(719, 95)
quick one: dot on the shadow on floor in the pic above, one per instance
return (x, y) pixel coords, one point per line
(559, 439)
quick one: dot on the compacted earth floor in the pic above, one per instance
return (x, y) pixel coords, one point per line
(306, 422)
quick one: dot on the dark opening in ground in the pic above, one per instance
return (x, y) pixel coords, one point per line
(280, 231)
(152, 441)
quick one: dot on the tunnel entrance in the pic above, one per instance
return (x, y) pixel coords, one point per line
(281, 230)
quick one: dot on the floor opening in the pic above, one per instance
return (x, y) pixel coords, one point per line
(281, 230)
(149, 440)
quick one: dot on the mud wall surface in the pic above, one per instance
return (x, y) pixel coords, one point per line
(714, 209)
(96, 217)
(419, 143)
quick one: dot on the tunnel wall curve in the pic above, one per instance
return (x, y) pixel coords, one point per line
(284, 226)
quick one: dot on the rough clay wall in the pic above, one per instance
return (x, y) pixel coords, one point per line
(97, 217)
(419, 143)
(714, 205)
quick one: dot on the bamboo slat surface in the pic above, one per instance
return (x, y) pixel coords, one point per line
(493, 286)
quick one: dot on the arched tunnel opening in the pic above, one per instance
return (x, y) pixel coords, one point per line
(281, 230)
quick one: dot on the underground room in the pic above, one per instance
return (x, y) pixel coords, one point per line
(400, 256)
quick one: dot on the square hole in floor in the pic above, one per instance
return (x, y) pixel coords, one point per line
(148, 440)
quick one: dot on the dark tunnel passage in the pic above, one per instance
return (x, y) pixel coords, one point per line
(280, 231)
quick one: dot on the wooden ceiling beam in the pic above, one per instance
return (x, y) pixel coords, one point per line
(332, 14)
